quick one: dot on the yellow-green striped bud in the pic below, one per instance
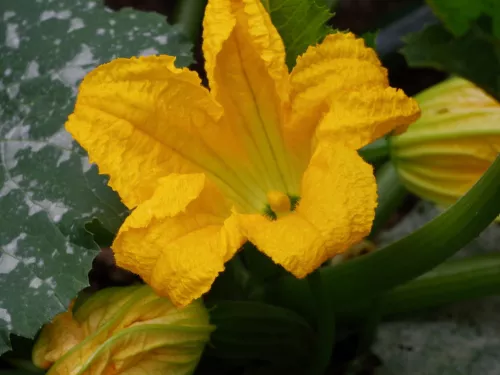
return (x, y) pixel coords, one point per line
(455, 140)
(124, 331)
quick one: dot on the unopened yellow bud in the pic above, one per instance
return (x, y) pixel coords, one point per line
(455, 140)
(124, 330)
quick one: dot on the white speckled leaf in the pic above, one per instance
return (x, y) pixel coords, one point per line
(48, 190)
(462, 339)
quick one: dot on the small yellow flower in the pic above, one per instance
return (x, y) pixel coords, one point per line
(124, 331)
(454, 142)
(264, 155)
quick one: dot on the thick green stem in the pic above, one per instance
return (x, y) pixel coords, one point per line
(422, 250)
(453, 281)
(189, 15)
(391, 194)
(325, 327)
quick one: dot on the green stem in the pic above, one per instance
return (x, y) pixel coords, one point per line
(325, 327)
(189, 15)
(376, 151)
(391, 194)
(453, 281)
(422, 250)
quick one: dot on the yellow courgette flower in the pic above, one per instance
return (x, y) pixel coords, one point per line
(264, 155)
(124, 331)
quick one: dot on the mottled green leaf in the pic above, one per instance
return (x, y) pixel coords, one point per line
(301, 23)
(48, 189)
(474, 56)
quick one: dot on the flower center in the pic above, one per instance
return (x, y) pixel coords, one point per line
(279, 204)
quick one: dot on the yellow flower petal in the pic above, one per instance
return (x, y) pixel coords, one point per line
(179, 240)
(360, 117)
(141, 119)
(188, 266)
(253, 24)
(344, 78)
(245, 64)
(336, 210)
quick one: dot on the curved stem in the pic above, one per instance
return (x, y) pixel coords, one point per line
(422, 250)
(453, 281)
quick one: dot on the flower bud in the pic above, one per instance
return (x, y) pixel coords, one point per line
(124, 330)
(453, 143)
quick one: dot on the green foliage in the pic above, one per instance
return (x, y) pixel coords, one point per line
(257, 331)
(468, 44)
(370, 39)
(48, 189)
(474, 55)
(459, 15)
(301, 23)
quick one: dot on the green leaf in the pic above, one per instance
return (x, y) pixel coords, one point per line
(48, 190)
(459, 15)
(370, 38)
(301, 23)
(474, 56)
(258, 331)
